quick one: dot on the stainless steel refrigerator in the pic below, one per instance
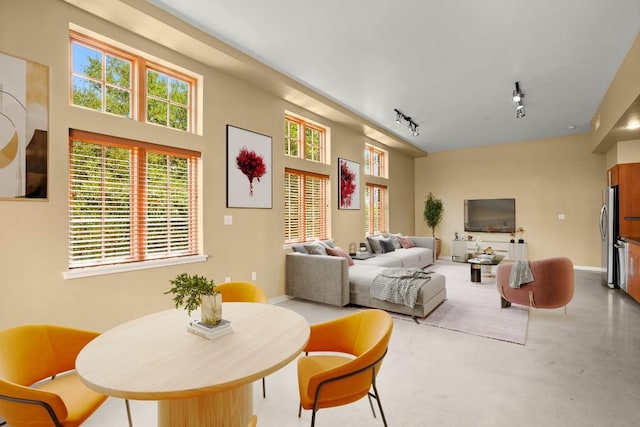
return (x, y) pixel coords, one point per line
(609, 235)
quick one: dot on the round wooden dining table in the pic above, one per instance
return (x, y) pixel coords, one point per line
(197, 382)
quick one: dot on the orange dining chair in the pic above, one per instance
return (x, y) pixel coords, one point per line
(38, 383)
(329, 380)
(243, 292)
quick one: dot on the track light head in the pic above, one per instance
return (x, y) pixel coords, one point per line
(399, 116)
(517, 99)
(517, 95)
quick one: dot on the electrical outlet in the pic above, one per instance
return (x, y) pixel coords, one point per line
(227, 279)
(254, 275)
(228, 220)
(562, 217)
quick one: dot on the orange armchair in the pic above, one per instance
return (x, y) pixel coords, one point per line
(326, 381)
(30, 354)
(552, 287)
(243, 292)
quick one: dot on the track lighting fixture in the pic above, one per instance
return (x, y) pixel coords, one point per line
(517, 99)
(413, 126)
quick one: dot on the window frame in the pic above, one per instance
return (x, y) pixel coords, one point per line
(303, 125)
(370, 205)
(138, 227)
(139, 89)
(300, 213)
(371, 153)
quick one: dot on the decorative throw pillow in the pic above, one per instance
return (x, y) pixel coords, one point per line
(299, 249)
(395, 240)
(406, 242)
(338, 251)
(387, 245)
(324, 243)
(314, 249)
(374, 242)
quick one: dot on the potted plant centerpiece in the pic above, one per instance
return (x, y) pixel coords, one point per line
(197, 291)
(433, 209)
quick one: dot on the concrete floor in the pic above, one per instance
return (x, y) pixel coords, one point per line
(578, 369)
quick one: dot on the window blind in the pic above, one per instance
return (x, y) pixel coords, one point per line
(305, 206)
(130, 201)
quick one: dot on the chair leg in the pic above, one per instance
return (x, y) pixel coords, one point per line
(313, 418)
(371, 404)
(264, 389)
(504, 303)
(377, 397)
(126, 403)
(299, 410)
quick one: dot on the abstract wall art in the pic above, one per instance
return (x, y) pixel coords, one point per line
(24, 122)
(348, 184)
(249, 172)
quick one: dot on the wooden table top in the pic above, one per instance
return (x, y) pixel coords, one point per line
(155, 358)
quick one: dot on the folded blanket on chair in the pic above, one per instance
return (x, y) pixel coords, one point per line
(399, 285)
(520, 274)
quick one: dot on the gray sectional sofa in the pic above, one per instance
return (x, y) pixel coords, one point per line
(331, 280)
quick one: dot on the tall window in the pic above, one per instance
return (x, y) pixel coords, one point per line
(130, 201)
(305, 206)
(104, 78)
(375, 161)
(304, 140)
(375, 208)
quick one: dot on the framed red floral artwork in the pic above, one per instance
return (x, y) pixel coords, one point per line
(248, 169)
(348, 184)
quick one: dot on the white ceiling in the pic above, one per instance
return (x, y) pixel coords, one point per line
(450, 65)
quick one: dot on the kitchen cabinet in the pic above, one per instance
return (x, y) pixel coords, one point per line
(633, 271)
(612, 175)
(627, 176)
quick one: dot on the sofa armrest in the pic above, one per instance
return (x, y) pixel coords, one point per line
(320, 278)
(426, 242)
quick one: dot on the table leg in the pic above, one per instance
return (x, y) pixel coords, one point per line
(231, 407)
(476, 269)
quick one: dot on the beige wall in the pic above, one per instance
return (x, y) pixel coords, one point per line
(621, 94)
(546, 177)
(33, 243)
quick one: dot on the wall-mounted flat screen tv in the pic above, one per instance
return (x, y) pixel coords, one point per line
(490, 215)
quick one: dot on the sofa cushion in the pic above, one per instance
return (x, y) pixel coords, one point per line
(315, 249)
(406, 242)
(325, 243)
(384, 260)
(374, 242)
(387, 245)
(395, 239)
(299, 249)
(338, 251)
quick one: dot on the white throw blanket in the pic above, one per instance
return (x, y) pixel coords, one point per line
(399, 285)
(520, 274)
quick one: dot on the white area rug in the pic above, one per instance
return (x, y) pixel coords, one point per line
(474, 308)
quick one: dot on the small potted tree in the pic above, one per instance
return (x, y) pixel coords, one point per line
(197, 291)
(433, 209)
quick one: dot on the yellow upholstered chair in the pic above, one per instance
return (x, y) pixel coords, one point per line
(38, 383)
(243, 292)
(253, 422)
(328, 380)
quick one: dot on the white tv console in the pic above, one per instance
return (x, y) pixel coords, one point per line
(512, 251)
